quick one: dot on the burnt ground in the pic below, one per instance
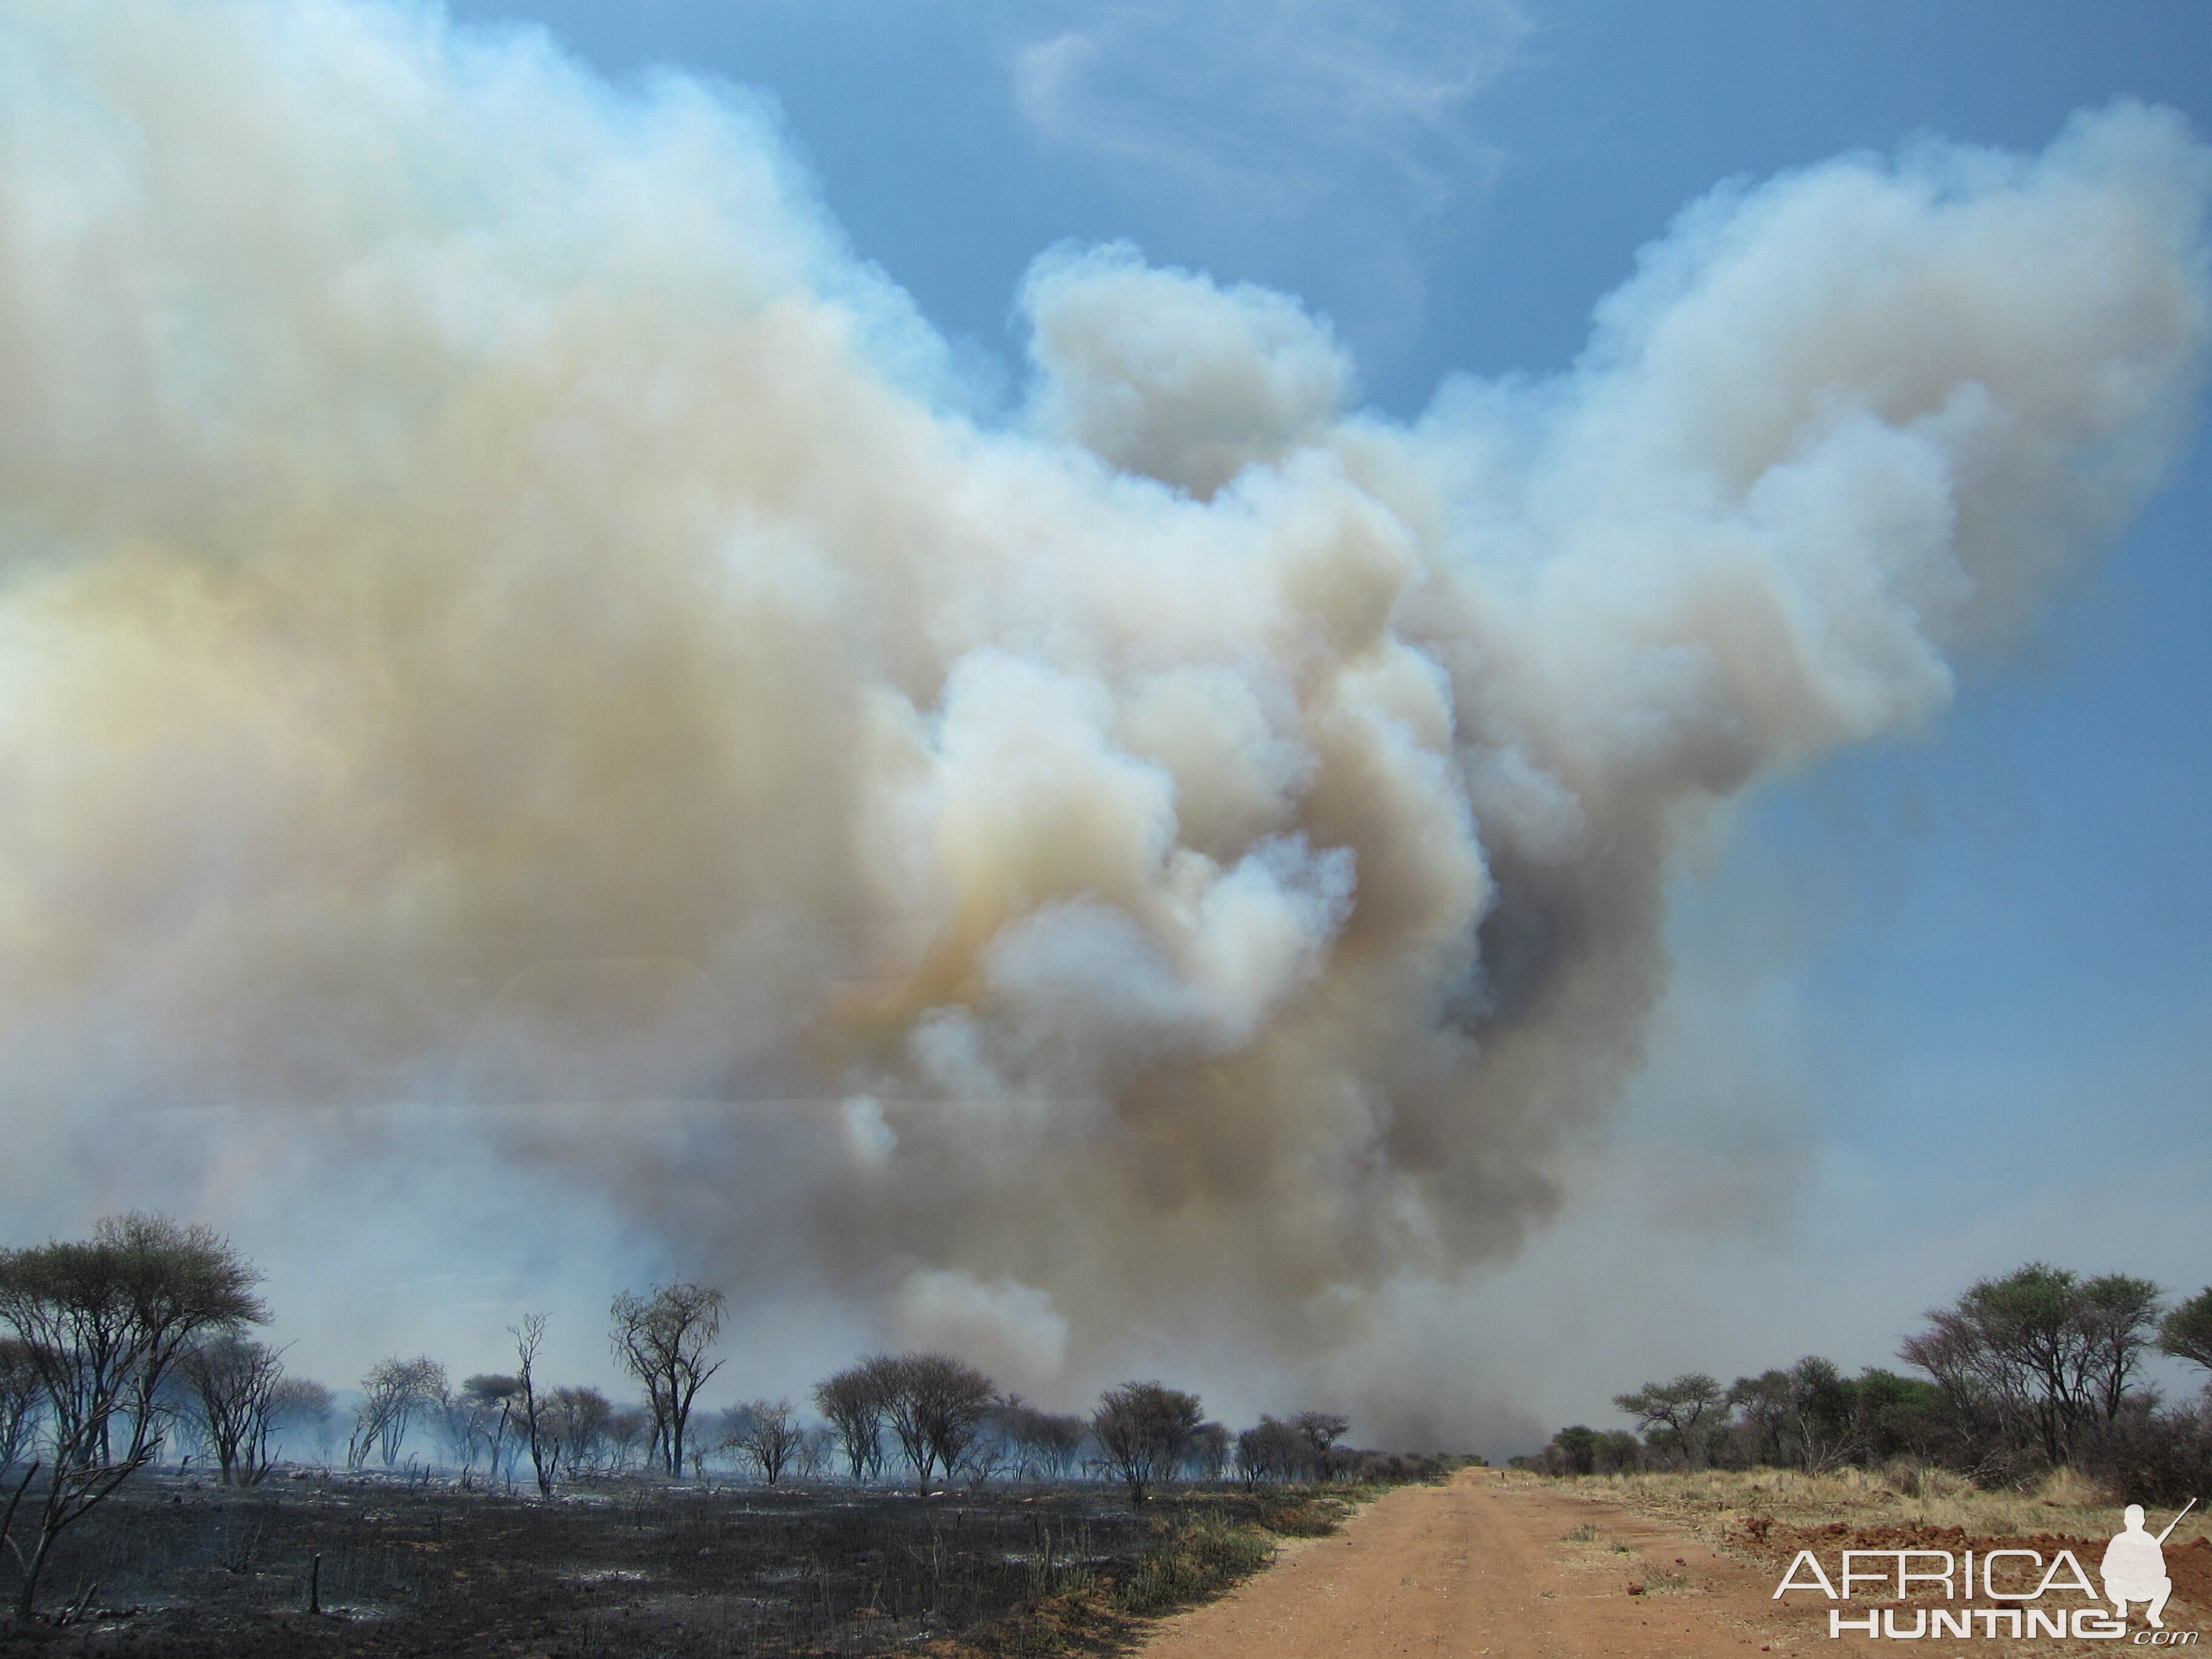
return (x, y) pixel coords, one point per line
(628, 1568)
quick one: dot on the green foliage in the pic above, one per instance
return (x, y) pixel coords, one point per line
(1682, 1415)
(1896, 1416)
(1583, 1450)
(2186, 1332)
(1679, 1405)
(1577, 1449)
(2027, 1371)
(2028, 1361)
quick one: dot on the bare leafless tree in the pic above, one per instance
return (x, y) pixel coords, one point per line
(1050, 1444)
(818, 1452)
(1143, 1430)
(1001, 1442)
(300, 1407)
(853, 1403)
(767, 1433)
(538, 1428)
(934, 1404)
(20, 1398)
(1207, 1457)
(663, 1340)
(103, 1322)
(579, 1417)
(231, 1382)
(988, 1454)
(1321, 1430)
(626, 1433)
(394, 1394)
(479, 1418)
(1271, 1450)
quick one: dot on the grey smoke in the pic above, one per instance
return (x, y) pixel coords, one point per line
(497, 623)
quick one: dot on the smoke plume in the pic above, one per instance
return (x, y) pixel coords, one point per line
(503, 617)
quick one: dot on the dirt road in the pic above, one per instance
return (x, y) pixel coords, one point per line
(1491, 1565)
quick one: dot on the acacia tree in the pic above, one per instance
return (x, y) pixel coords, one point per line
(2116, 1317)
(1820, 1421)
(1054, 1442)
(1046, 1442)
(232, 1382)
(394, 1393)
(1684, 1411)
(1321, 1430)
(2186, 1332)
(1270, 1450)
(627, 1430)
(934, 1404)
(1207, 1456)
(992, 1450)
(768, 1434)
(662, 1340)
(579, 1417)
(299, 1405)
(1809, 1416)
(477, 1419)
(1764, 1401)
(20, 1395)
(852, 1403)
(102, 1323)
(1143, 1430)
(2039, 1351)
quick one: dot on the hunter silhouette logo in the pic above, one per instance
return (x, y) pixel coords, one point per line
(2134, 1567)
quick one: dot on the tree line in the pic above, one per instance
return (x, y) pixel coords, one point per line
(139, 1340)
(2037, 1370)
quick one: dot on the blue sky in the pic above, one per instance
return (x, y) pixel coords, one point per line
(1989, 943)
(1530, 151)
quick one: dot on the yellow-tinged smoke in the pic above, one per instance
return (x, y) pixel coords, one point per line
(496, 610)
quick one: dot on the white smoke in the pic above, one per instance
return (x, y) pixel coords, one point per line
(499, 607)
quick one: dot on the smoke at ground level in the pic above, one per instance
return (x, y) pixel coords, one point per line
(503, 622)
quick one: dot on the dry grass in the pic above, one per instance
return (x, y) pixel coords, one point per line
(1193, 1561)
(1708, 1503)
(1200, 1546)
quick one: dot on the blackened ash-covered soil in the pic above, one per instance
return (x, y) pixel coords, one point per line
(630, 1569)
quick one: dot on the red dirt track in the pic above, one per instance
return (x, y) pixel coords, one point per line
(1484, 1567)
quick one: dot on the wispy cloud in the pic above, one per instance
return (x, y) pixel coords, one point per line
(1292, 98)
(1336, 128)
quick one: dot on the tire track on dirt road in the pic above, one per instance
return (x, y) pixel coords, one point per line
(1479, 1568)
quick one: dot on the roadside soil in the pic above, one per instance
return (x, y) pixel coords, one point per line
(1494, 1565)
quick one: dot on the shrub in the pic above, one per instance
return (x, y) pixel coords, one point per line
(1304, 1517)
(2153, 1457)
(1190, 1560)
